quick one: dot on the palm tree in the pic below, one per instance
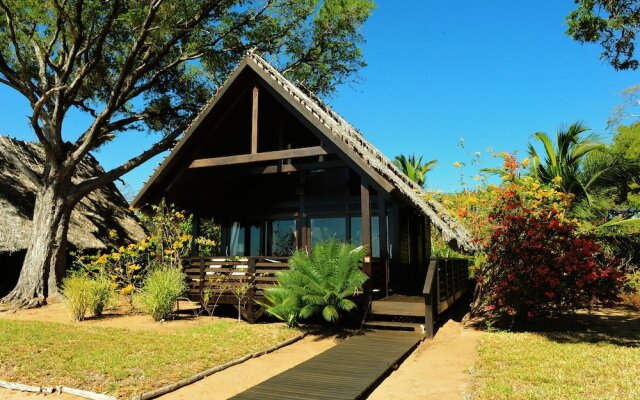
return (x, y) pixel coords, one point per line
(413, 167)
(593, 172)
(564, 160)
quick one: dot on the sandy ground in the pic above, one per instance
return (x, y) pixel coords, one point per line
(119, 318)
(234, 380)
(437, 369)
(6, 394)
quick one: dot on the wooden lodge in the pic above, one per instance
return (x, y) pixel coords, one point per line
(279, 171)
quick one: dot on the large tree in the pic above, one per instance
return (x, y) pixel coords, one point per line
(146, 65)
(614, 24)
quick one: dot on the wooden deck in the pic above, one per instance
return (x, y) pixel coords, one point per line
(347, 371)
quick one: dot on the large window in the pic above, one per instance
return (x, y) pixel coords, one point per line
(283, 237)
(323, 229)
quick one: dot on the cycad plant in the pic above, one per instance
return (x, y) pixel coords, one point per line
(318, 283)
(413, 167)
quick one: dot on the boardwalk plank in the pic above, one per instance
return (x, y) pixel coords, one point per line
(344, 372)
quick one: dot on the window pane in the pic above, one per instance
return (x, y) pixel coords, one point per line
(356, 234)
(236, 240)
(375, 236)
(283, 239)
(254, 242)
(328, 228)
(356, 231)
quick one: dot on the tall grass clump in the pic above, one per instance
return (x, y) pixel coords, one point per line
(77, 293)
(160, 292)
(102, 295)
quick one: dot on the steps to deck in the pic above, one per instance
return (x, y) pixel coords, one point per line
(399, 308)
(345, 372)
(398, 313)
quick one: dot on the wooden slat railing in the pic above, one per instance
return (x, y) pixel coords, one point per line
(446, 281)
(221, 280)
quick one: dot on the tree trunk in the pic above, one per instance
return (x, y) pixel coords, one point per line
(45, 261)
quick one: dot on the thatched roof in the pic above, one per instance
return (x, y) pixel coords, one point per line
(103, 210)
(340, 132)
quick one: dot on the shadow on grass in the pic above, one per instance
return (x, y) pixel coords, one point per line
(618, 325)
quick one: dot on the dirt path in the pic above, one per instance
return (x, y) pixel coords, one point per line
(438, 369)
(118, 318)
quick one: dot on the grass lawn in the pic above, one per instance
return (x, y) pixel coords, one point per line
(123, 362)
(559, 365)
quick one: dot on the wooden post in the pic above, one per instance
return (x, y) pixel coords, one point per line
(202, 276)
(365, 207)
(384, 250)
(430, 298)
(195, 232)
(304, 239)
(254, 121)
(251, 276)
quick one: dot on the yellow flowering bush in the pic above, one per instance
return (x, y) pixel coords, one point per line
(168, 244)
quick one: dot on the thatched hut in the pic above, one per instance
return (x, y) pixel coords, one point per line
(279, 170)
(103, 210)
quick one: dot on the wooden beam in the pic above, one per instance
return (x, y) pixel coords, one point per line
(285, 169)
(266, 156)
(254, 121)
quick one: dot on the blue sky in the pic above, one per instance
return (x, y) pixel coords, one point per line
(491, 72)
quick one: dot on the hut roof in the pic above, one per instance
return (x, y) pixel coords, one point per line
(339, 131)
(103, 210)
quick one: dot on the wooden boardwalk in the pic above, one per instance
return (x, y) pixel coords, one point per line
(347, 371)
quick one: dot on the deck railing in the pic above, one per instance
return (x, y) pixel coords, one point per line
(446, 281)
(232, 280)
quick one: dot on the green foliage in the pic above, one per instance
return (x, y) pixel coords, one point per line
(564, 160)
(160, 292)
(318, 283)
(281, 305)
(413, 167)
(632, 281)
(209, 237)
(102, 295)
(77, 293)
(614, 207)
(614, 24)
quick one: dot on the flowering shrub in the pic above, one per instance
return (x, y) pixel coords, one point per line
(537, 261)
(168, 243)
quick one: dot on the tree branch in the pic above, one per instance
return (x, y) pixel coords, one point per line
(94, 183)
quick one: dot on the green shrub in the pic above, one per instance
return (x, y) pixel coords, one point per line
(102, 295)
(318, 283)
(76, 291)
(160, 292)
